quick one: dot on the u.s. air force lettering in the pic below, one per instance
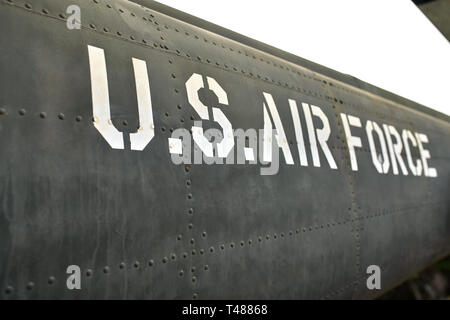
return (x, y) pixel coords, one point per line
(390, 148)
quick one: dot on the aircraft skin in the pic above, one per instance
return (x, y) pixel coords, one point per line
(89, 174)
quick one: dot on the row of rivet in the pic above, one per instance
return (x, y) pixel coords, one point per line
(165, 260)
(79, 118)
(307, 92)
(279, 83)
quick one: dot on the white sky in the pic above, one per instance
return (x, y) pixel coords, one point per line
(388, 43)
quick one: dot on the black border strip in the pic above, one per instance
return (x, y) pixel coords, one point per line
(348, 79)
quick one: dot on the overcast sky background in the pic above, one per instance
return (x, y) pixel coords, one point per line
(388, 43)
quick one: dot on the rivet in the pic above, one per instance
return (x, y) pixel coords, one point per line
(165, 260)
(191, 211)
(192, 241)
(61, 116)
(195, 296)
(132, 37)
(188, 183)
(250, 242)
(136, 264)
(190, 226)
(119, 33)
(30, 285)
(232, 245)
(179, 237)
(27, 5)
(173, 256)
(79, 118)
(222, 247)
(184, 255)
(125, 123)
(181, 273)
(189, 196)
(2, 111)
(122, 265)
(106, 269)
(88, 272)
(211, 249)
(242, 243)
(193, 252)
(51, 280)
(206, 267)
(192, 269)
(92, 26)
(151, 263)
(194, 279)
(45, 11)
(62, 16)
(105, 29)
(22, 112)
(9, 290)
(204, 234)
(202, 251)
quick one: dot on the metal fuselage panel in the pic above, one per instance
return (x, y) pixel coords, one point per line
(140, 225)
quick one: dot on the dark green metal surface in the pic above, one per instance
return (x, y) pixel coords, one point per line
(140, 226)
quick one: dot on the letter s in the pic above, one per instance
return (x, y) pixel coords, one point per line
(193, 85)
